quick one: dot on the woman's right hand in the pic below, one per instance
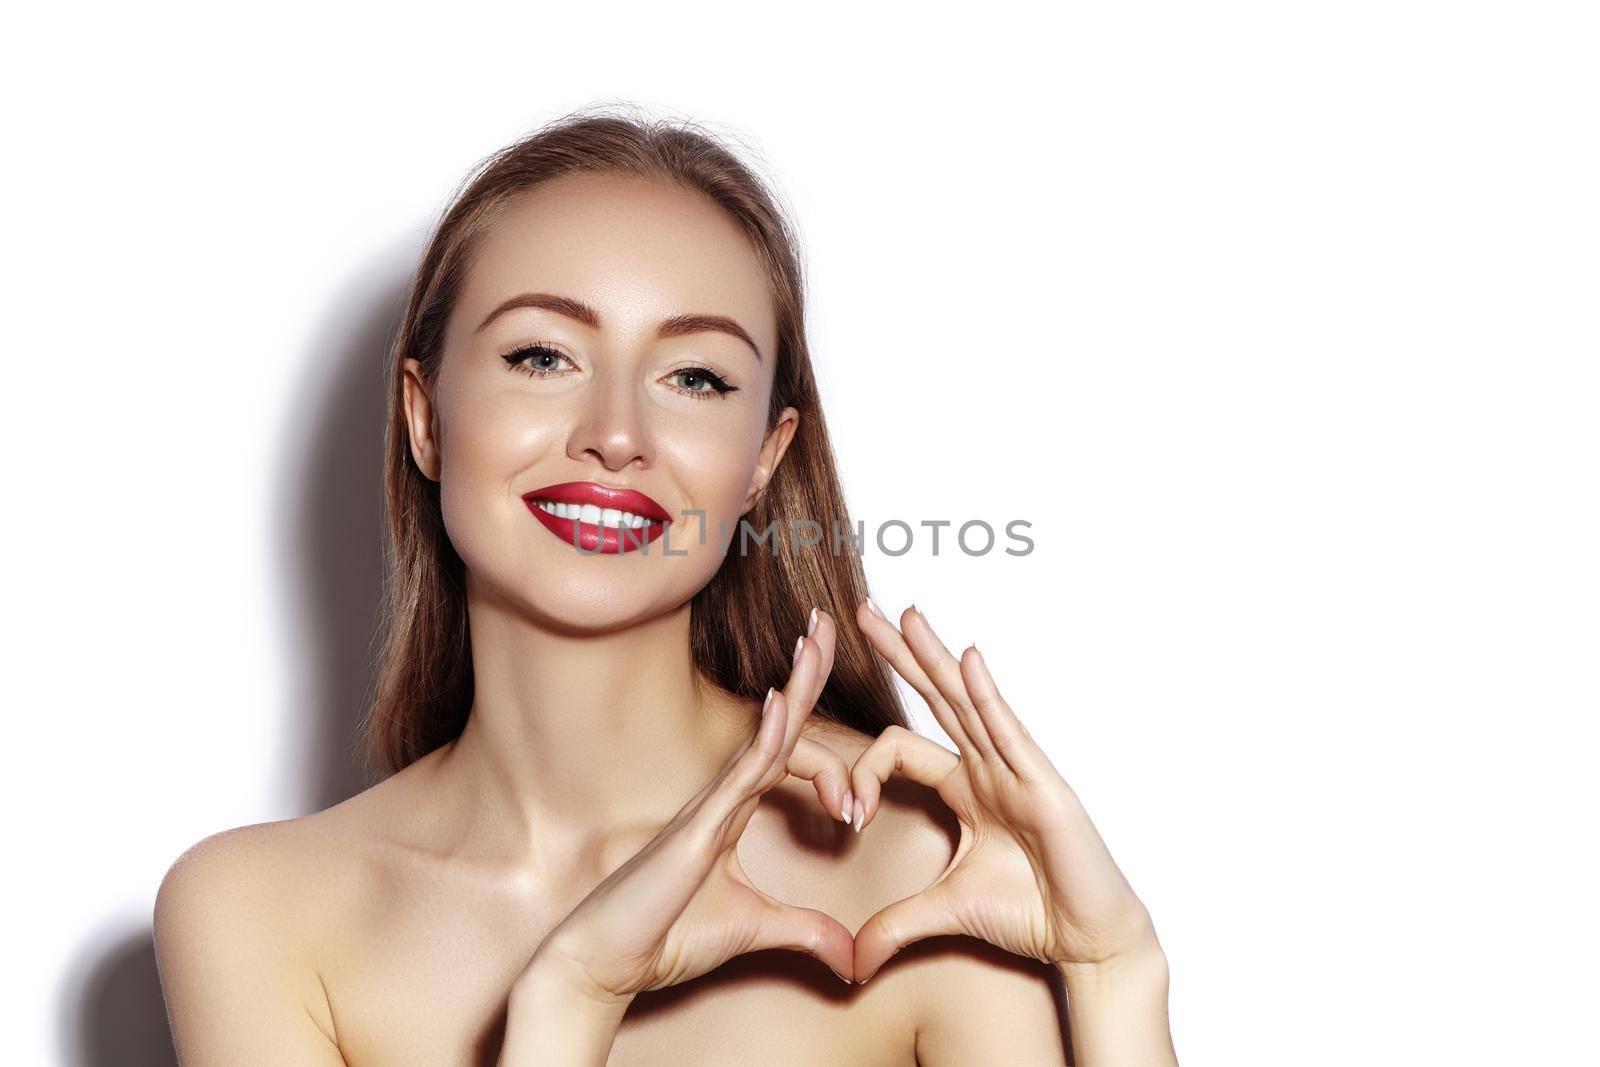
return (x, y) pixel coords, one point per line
(682, 905)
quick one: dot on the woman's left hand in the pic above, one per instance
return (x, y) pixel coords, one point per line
(1030, 873)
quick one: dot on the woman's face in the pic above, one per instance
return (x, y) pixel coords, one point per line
(640, 359)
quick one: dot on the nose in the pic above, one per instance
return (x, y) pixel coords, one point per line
(610, 427)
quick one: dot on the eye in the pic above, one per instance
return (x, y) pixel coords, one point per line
(538, 359)
(699, 382)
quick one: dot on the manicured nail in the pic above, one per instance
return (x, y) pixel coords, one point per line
(844, 815)
(771, 692)
(872, 606)
(799, 643)
(811, 626)
(859, 813)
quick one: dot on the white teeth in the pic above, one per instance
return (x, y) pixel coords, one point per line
(594, 515)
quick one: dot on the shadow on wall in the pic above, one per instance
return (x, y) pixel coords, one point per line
(118, 1016)
(330, 499)
(331, 547)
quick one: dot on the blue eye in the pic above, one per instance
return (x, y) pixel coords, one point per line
(541, 360)
(700, 382)
(538, 359)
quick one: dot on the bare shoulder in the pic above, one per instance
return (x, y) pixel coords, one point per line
(234, 937)
(956, 986)
(244, 919)
(256, 870)
(279, 881)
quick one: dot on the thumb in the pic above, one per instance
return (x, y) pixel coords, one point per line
(925, 914)
(807, 930)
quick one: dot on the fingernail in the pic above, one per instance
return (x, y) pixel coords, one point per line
(771, 692)
(844, 816)
(872, 606)
(811, 626)
(799, 643)
(859, 813)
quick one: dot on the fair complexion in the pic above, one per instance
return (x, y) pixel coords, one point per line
(568, 648)
(1031, 874)
(683, 904)
(394, 925)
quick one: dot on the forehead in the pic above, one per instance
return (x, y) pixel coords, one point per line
(636, 250)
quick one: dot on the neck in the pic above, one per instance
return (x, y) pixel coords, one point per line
(578, 740)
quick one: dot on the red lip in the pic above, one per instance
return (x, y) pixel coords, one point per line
(601, 497)
(588, 536)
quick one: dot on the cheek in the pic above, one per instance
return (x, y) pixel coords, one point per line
(713, 460)
(489, 441)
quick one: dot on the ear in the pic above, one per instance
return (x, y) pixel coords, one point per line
(421, 419)
(772, 450)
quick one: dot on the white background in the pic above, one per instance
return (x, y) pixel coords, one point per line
(1278, 322)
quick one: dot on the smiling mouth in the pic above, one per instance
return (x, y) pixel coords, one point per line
(598, 518)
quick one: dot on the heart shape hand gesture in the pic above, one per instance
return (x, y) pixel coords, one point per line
(1030, 874)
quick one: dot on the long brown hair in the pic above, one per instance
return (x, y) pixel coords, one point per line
(744, 621)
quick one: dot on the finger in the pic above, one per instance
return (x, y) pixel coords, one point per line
(824, 634)
(799, 696)
(806, 930)
(925, 914)
(1012, 741)
(897, 749)
(740, 757)
(726, 796)
(804, 666)
(945, 671)
(891, 645)
(813, 661)
(826, 770)
(753, 772)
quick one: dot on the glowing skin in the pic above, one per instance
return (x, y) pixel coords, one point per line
(621, 416)
(391, 927)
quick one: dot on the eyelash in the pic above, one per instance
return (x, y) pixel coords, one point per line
(516, 360)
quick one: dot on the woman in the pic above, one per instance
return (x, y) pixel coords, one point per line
(602, 372)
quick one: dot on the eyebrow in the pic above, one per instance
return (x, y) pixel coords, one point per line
(676, 326)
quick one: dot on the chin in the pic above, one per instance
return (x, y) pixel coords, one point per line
(595, 594)
(556, 584)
